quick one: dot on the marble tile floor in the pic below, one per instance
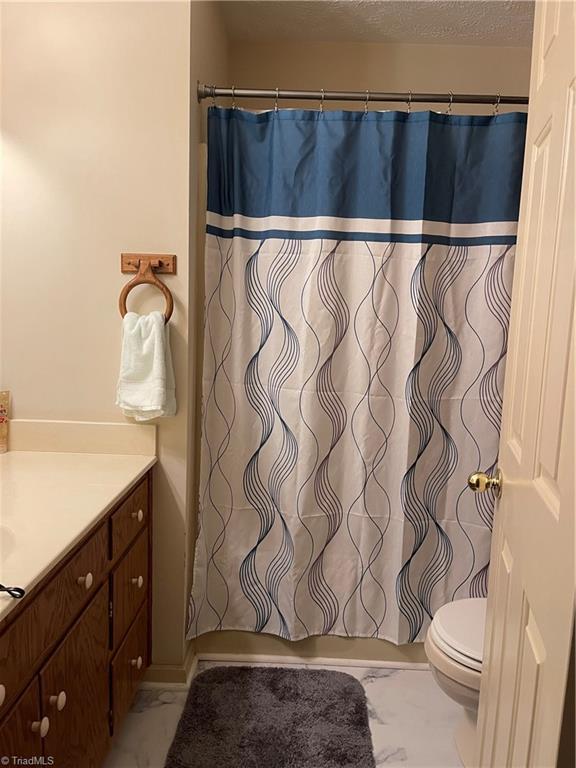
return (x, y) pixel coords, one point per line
(411, 720)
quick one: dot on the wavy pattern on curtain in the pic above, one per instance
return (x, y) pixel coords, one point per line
(353, 367)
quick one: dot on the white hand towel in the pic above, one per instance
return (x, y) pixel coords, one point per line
(146, 382)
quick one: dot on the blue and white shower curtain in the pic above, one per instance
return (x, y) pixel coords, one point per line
(358, 277)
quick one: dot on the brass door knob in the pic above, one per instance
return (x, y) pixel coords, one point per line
(480, 482)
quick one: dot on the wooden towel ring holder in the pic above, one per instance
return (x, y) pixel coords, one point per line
(146, 276)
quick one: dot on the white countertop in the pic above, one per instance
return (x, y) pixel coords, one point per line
(48, 501)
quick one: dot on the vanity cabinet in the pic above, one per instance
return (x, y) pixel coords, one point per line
(74, 650)
(40, 620)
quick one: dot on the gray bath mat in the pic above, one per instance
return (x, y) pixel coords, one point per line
(267, 717)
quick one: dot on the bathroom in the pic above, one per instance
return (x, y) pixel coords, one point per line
(131, 634)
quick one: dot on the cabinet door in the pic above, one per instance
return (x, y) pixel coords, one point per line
(75, 691)
(128, 666)
(21, 733)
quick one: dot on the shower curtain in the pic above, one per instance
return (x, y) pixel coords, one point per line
(358, 275)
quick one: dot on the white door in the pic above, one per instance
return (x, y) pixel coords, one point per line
(531, 590)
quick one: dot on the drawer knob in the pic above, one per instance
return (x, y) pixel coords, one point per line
(58, 701)
(136, 662)
(138, 581)
(86, 581)
(138, 515)
(41, 726)
(2, 694)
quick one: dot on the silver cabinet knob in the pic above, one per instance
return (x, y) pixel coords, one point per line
(136, 662)
(41, 726)
(138, 515)
(58, 701)
(2, 694)
(138, 581)
(86, 581)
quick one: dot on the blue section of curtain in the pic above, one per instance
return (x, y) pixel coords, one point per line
(375, 165)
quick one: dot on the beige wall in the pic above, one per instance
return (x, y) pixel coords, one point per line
(96, 139)
(382, 67)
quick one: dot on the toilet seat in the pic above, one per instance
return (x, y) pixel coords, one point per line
(457, 630)
(452, 653)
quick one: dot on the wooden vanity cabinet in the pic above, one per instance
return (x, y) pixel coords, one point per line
(74, 650)
(44, 616)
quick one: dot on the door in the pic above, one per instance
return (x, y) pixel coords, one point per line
(531, 589)
(75, 691)
(23, 732)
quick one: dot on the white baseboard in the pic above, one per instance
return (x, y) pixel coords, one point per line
(179, 678)
(252, 658)
(149, 685)
(162, 675)
(158, 675)
(192, 669)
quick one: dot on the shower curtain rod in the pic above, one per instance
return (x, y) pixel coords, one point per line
(216, 91)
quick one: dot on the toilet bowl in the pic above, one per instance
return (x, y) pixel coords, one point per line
(454, 646)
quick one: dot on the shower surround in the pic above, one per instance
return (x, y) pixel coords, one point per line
(358, 276)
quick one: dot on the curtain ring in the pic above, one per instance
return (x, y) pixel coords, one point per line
(233, 97)
(276, 101)
(497, 105)
(213, 88)
(322, 100)
(366, 102)
(449, 110)
(409, 102)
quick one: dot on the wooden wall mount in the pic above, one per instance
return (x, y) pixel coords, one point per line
(162, 263)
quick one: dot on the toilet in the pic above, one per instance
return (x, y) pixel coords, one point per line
(454, 646)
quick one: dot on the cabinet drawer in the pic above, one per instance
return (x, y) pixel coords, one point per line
(129, 587)
(29, 639)
(129, 665)
(20, 734)
(129, 519)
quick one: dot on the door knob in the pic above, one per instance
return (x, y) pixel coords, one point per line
(138, 581)
(138, 515)
(480, 482)
(137, 662)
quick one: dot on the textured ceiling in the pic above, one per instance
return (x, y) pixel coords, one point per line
(457, 22)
